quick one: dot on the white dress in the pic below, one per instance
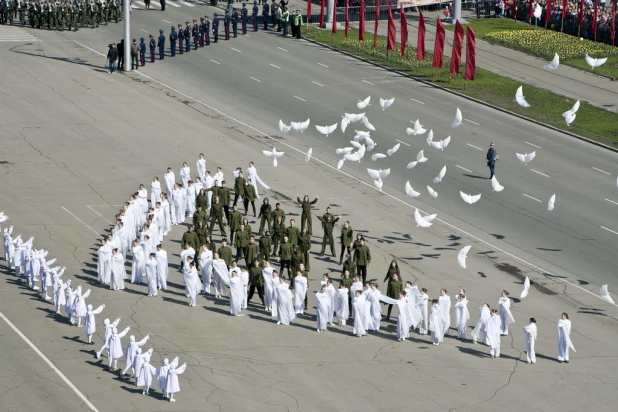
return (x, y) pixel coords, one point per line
(342, 306)
(104, 264)
(444, 302)
(493, 334)
(170, 181)
(359, 315)
(185, 175)
(462, 315)
(155, 193)
(323, 306)
(162, 269)
(437, 324)
(206, 269)
(139, 264)
(285, 306)
(201, 168)
(192, 284)
(237, 295)
(151, 275)
(222, 276)
(564, 339)
(267, 273)
(506, 317)
(300, 291)
(118, 272)
(480, 330)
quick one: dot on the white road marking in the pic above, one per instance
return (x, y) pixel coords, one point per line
(403, 142)
(471, 145)
(323, 65)
(463, 168)
(276, 67)
(417, 101)
(533, 198)
(300, 98)
(609, 230)
(282, 49)
(178, 5)
(144, 30)
(168, 22)
(470, 121)
(538, 147)
(321, 85)
(50, 364)
(80, 221)
(104, 218)
(602, 171)
(536, 171)
(369, 82)
(236, 50)
(611, 201)
(259, 81)
(325, 164)
(214, 61)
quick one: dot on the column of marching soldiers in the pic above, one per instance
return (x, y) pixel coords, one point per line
(60, 15)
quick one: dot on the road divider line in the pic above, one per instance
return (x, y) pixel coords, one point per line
(609, 230)
(417, 101)
(321, 85)
(470, 121)
(276, 67)
(236, 50)
(50, 364)
(80, 221)
(362, 182)
(168, 22)
(144, 30)
(104, 218)
(282, 49)
(259, 81)
(402, 142)
(533, 198)
(602, 171)
(463, 168)
(611, 201)
(323, 65)
(538, 147)
(300, 98)
(536, 171)
(476, 147)
(369, 82)
(214, 61)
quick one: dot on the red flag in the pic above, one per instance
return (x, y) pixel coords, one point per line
(375, 29)
(457, 44)
(613, 32)
(308, 12)
(392, 30)
(361, 21)
(322, 13)
(531, 9)
(420, 44)
(547, 12)
(438, 49)
(347, 18)
(470, 53)
(594, 19)
(564, 6)
(404, 31)
(582, 6)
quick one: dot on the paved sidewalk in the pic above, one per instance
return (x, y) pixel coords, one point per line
(567, 81)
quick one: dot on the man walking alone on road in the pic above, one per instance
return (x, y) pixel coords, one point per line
(492, 156)
(112, 57)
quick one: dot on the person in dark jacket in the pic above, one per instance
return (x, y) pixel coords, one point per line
(492, 156)
(112, 58)
(121, 55)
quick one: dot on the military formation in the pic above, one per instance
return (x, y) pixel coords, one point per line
(60, 15)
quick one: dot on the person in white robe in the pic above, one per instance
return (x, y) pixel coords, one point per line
(151, 275)
(437, 323)
(185, 174)
(162, 381)
(144, 377)
(342, 307)
(46, 282)
(480, 329)
(444, 301)
(192, 282)
(80, 309)
(197, 182)
(208, 181)
(323, 307)
(119, 273)
(69, 297)
(493, 333)
(170, 181)
(131, 352)
(139, 263)
(167, 213)
(506, 317)
(244, 276)
(413, 296)
(218, 177)
(37, 257)
(148, 247)
(267, 274)
(285, 304)
(191, 196)
(138, 362)
(201, 166)
(155, 191)
(142, 194)
(114, 346)
(109, 327)
(61, 299)
(221, 275)
(300, 292)
(529, 334)
(462, 315)
(237, 294)
(275, 283)
(7, 240)
(178, 205)
(90, 322)
(162, 267)
(206, 258)
(10, 248)
(104, 263)
(17, 262)
(564, 338)
(332, 292)
(375, 308)
(356, 285)
(172, 381)
(359, 313)
(255, 179)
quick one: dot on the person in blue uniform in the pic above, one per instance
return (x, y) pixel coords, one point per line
(207, 30)
(243, 17)
(226, 24)
(235, 22)
(187, 35)
(161, 45)
(153, 45)
(265, 12)
(142, 52)
(173, 40)
(201, 33)
(195, 32)
(181, 39)
(215, 27)
(254, 15)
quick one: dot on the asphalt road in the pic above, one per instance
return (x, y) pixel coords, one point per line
(263, 77)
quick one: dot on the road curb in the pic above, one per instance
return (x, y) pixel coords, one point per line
(418, 79)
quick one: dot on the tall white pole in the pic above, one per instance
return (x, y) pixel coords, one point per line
(127, 34)
(330, 12)
(457, 11)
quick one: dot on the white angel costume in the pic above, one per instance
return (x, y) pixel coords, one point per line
(104, 264)
(437, 325)
(201, 168)
(462, 315)
(138, 362)
(506, 317)
(90, 323)
(162, 381)
(60, 295)
(255, 179)
(331, 291)
(115, 346)
(155, 193)
(529, 334)
(192, 285)
(162, 269)
(267, 274)
(323, 307)
(206, 269)
(145, 374)
(151, 276)
(185, 175)
(480, 329)
(170, 181)
(358, 305)
(237, 295)
(444, 302)
(342, 306)
(300, 291)
(118, 272)
(493, 335)
(109, 327)
(221, 275)
(564, 340)
(373, 298)
(190, 200)
(172, 380)
(138, 266)
(132, 351)
(285, 305)
(79, 305)
(178, 206)
(275, 284)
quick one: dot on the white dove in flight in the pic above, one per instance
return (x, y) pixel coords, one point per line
(368, 125)
(360, 134)
(526, 157)
(592, 62)
(420, 158)
(432, 192)
(378, 183)
(430, 137)
(363, 103)
(553, 65)
(420, 222)
(572, 110)
(326, 130)
(605, 294)
(441, 144)
(524, 292)
(569, 118)
(458, 119)
(496, 186)
(344, 124)
(538, 10)
(283, 128)
(462, 256)
(308, 155)
(416, 130)
(378, 174)
(377, 156)
(411, 192)
(551, 203)
(469, 199)
(354, 117)
(274, 154)
(386, 103)
(356, 156)
(340, 163)
(519, 97)
(440, 176)
(392, 151)
(344, 150)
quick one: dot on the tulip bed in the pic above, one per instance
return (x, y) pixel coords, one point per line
(547, 107)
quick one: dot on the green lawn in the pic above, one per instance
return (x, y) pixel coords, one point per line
(592, 122)
(544, 43)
